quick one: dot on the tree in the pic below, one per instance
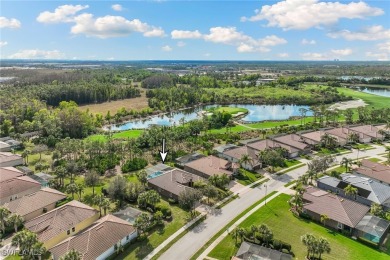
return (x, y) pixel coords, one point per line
(117, 189)
(16, 220)
(245, 160)
(309, 241)
(348, 113)
(134, 190)
(322, 246)
(4, 213)
(350, 191)
(98, 201)
(73, 254)
(25, 155)
(297, 201)
(324, 218)
(377, 210)
(80, 190)
(266, 233)
(72, 188)
(142, 177)
(105, 205)
(188, 199)
(223, 180)
(271, 157)
(61, 173)
(346, 162)
(142, 222)
(328, 141)
(28, 243)
(40, 148)
(210, 192)
(92, 179)
(254, 229)
(157, 217)
(238, 232)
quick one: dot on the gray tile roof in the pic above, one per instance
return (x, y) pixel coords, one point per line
(374, 170)
(223, 148)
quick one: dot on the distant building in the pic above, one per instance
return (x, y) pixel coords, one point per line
(264, 81)
(374, 171)
(15, 188)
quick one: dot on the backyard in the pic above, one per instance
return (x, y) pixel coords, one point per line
(288, 228)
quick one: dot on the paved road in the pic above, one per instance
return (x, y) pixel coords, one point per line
(217, 219)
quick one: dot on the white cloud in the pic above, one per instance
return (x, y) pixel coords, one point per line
(112, 26)
(11, 23)
(2, 44)
(179, 34)
(385, 46)
(117, 7)
(37, 54)
(283, 55)
(207, 54)
(166, 48)
(342, 52)
(62, 14)
(373, 33)
(308, 42)
(305, 14)
(230, 36)
(378, 56)
(181, 44)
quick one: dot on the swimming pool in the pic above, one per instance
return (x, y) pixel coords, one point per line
(155, 174)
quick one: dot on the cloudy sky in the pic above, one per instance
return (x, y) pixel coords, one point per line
(195, 30)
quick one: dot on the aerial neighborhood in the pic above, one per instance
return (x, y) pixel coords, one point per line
(195, 130)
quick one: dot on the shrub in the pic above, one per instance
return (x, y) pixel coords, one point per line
(165, 210)
(134, 165)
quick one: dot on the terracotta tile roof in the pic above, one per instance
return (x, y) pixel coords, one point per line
(292, 140)
(8, 173)
(58, 220)
(374, 170)
(316, 135)
(94, 241)
(17, 185)
(211, 165)
(264, 144)
(174, 181)
(35, 201)
(368, 130)
(341, 132)
(7, 157)
(342, 210)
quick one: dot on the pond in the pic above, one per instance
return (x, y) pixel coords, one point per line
(385, 92)
(256, 113)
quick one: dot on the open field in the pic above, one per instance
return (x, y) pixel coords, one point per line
(119, 135)
(137, 103)
(230, 110)
(289, 228)
(372, 100)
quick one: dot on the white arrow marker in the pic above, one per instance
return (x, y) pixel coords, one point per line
(164, 153)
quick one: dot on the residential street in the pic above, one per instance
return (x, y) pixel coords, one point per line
(189, 244)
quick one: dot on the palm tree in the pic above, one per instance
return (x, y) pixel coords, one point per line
(322, 246)
(16, 220)
(80, 190)
(309, 241)
(223, 180)
(324, 218)
(266, 233)
(245, 160)
(142, 177)
(61, 173)
(25, 154)
(28, 243)
(254, 230)
(98, 201)
(350, 191)
(328, 141)
(105, 204)
(4, 213)
(263, 132)
(346, 162)
(297, 201)
(72, 188)
(72, 255)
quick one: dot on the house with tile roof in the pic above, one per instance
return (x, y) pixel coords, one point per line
(373, 170)
(343, 214)
(295, 141)
(250, 251)
(35, 204)
(8, 159)
(369, 191)
(211, 165)
(15, 188)
(4, 147)
(99, 241)
(235, 155)
(366, 133)
(170, 183)
(8, 173)
(61, 223)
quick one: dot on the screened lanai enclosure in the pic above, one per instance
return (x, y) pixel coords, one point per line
(372, 228)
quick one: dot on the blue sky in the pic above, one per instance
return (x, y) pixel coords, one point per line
(195, 30)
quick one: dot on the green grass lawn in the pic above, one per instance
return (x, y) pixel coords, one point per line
(326, 151)
(230, 110)
(119, 135)
(362, 146)
(287, 164)
(248, 177)
(372, 100)
(140, 249)
(289, 228)
(374, 159)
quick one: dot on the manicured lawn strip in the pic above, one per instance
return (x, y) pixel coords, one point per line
(374, 159)
(325, 151)
(363, 146)
(372, 100)
(230, 110)
(162, 251)
(140, 249)
(259, 183)
(205, 246)
(291, 182)
(248, 177)
(290, 169)
(227, 202)
(288, 228)
(271, 124)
